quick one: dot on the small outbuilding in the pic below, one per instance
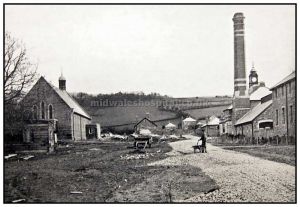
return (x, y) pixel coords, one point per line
(93, 131)
(257, 122)
(212, 127)
(188, 123)
(144, 124)
(170, 126)
(40, 135)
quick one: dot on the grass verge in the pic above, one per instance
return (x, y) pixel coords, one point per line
(101, 172)
(283, 154)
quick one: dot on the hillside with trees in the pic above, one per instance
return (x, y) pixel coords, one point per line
(127, 108)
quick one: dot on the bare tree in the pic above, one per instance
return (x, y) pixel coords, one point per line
(19, 72)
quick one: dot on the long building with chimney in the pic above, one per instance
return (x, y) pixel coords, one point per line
(257, 112)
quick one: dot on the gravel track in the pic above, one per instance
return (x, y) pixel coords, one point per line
(240, 177)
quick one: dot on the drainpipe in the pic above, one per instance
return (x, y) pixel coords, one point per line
(287, 114)
(242, 130)
(80, 127)
(252, 132)
(73, 134)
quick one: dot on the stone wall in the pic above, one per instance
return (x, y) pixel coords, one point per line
(280, 101)
(212, 131)
(266, 115)
(240, 107)
(246, 129)
(42, 91)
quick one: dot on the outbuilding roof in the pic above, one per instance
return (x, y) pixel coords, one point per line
(213, 121)
(170, 125)
(201, 122)
(259, 93)
(286, 79)
(143, 120)
(228, 108)
(189, 119)
(253, 113)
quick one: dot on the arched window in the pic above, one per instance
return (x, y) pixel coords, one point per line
(50, 112)
(43, 110)
(35, 112)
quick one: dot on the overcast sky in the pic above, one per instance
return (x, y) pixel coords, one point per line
(176, 50)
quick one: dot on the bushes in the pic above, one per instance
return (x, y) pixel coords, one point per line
(242, 140)
(126, 131)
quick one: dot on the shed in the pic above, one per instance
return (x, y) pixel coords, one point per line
(145, 123)
(188, 123)
(41, 134)
(257, 122)
(212, 127)
(170, 126)
(93, 131)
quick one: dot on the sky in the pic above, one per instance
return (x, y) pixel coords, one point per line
(176, 50)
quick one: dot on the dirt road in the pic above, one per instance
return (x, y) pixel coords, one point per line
(240, 177)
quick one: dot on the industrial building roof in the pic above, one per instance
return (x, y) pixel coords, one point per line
(253, 113)
(260, 93)
(286, 79)
(213, 121)
(170, 125)
(229, 107)
(189, 119)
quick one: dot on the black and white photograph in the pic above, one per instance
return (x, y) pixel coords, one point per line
(149, 103)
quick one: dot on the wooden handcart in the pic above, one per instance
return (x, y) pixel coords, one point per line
(140, 143)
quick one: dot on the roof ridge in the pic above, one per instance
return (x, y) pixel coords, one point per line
(248, 112)
(56, 91)
(283, 80)
(144, 119)
(77, 103)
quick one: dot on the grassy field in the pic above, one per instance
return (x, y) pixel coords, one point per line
(102, 172)
(284, 154)
(200, 113)
(108, 116)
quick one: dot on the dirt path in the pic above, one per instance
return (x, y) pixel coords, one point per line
(241, 177)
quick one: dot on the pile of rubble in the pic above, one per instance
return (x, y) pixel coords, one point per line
(136, 156)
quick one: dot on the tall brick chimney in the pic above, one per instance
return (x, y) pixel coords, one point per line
(241, 101)
(240, 85)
